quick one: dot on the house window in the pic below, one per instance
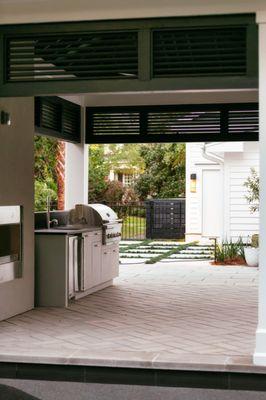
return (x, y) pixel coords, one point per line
(128, 180)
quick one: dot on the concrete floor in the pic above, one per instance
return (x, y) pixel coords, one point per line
(86, 391)
(163, 313)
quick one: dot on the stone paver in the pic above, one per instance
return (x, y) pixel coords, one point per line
(175, 308)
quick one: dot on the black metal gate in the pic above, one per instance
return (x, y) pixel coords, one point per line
(165, 219)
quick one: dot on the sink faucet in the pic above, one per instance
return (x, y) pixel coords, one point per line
(53, 222)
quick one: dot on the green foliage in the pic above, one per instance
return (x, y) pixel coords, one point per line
(101, 160)
(252, 184)
(228, 251)
(98, 173)
(45, 150)
(164, 174)
(114, 193)
(255, 240)
(127, 155)
(42, 191)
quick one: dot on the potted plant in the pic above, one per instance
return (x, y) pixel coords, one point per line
(252, 251)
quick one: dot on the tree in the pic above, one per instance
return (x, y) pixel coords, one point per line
(164, 174)
(98, 172)
(125, 154)
(252, 184)
(45, 151)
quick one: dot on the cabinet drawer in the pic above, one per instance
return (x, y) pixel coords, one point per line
(94, 236)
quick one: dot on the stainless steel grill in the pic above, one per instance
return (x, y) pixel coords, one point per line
(98, 215)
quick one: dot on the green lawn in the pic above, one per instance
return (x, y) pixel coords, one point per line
(134, 228)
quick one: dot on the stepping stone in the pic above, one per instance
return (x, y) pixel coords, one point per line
(130, 242)
(187, 256)
(143, 255)
(166, 243)
(124, 261)
(145, 251)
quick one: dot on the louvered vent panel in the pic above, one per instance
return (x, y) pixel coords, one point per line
(182, 122)
(50, 115)
(243, 121)
(97, 55)
(71, 120)
(200, 51)
(58, 118)
(116, 123)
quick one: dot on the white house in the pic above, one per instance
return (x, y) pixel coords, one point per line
(216, 205)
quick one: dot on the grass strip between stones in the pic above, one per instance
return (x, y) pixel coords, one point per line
(169, 253)
(135, 246)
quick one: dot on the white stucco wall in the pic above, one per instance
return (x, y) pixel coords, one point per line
(237, 220)
(16, 183)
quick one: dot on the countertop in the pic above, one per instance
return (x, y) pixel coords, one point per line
(53, 231)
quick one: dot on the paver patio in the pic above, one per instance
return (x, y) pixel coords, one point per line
(169, 310)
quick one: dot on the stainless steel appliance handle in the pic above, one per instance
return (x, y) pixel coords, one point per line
(81, 264)
(75, 264)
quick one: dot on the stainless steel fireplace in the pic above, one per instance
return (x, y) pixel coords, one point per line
(10, 243)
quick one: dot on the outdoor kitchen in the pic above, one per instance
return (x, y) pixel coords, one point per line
(77, 253)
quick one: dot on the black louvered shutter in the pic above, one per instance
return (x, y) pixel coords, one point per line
(58, 118)
(200, 51)
(113, 121)
(184, 122)
(97, 55)
(173, 123)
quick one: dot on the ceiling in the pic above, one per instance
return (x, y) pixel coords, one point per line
(31, 11)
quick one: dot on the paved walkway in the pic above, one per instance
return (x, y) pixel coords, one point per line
(174, 309)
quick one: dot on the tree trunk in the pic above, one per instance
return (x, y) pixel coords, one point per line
(60, 173)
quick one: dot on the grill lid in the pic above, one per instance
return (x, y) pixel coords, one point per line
(92, 214)
(106, 213)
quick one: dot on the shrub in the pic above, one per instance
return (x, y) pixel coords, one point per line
(114, 192)
(230, 252)
(42, 191)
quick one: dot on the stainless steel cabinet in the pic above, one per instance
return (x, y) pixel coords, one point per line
(73, 279)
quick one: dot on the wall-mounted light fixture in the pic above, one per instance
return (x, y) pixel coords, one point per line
(5, 118)
(193, 183)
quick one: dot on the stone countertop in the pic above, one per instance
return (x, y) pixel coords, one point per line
(54, 231)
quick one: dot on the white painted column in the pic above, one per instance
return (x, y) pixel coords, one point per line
(260, 351)
(76, 170)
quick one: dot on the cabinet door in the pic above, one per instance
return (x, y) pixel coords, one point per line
(106, 270)
(91, 261)
(110, 262)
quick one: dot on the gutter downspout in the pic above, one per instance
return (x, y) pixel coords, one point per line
(211, 156)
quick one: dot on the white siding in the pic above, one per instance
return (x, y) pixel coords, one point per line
(240, 221)
(237, 218)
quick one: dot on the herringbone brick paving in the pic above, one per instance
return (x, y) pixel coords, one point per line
(179, 307)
